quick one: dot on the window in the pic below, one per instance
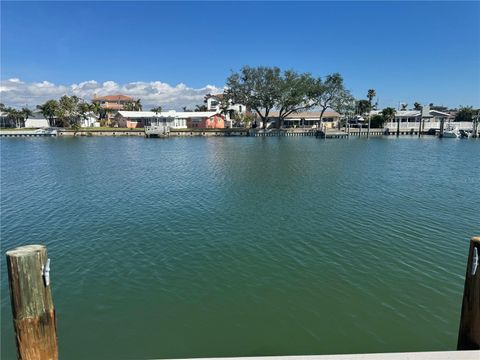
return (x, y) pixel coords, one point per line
(240, 108)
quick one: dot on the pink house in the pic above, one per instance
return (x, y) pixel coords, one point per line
(203, 120)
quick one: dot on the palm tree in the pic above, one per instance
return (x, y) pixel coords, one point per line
(26, 113)
(138, 105)
(363, 107)
(14, 115)
(417, 106)
(389, 114)
(98, 110)
(129, 106)
(49, 110)
(156, 110)
(370, 95)
(404, 106)
(200, 108)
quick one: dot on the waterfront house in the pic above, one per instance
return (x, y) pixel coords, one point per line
(140, 119)
(172, 119)
(311, 119)
(90, 120)
(410, 119)
(5, 121)
(112, 103)
(203, 120)
(37, 120)
(232, 112)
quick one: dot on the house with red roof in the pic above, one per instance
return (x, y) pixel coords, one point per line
(112, 103)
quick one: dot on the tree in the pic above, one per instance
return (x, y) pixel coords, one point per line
(330, 92)
(389, 115)
(83, 109)
(377, 121)
(68, 111)
(156, 110)
(370, 95)
(98, 110)
(297, 92)
(345, 106)
(49, 110)
(26, 113)
(243, 119)
(200, 108)
(186, 109)
(206, 97)
(129, 106)
(363, 107)
(417, 106)
(465, 113)
(14, 116)
(404, 106)
(138, 105)
(257, 88)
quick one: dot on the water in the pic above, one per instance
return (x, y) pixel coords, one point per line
(244, 246)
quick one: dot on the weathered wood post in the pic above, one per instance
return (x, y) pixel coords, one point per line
(368, 131)
(469, 332)
(442, 127)
(32, 306)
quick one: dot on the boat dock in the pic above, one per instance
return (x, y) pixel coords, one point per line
(27, 133)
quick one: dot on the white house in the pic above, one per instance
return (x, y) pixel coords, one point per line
(410, 119)
(37, 120)
(214, 103)
(140, 119)
(90, 120)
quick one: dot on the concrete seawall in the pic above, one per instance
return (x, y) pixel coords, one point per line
(100, 133)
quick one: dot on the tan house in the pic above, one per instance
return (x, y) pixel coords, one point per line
(112, 103)
(309, 119)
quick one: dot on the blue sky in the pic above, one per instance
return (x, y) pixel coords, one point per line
(407, 51)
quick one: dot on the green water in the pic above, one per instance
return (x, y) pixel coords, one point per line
(244, 246)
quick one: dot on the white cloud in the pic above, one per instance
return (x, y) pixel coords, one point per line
(14, 92)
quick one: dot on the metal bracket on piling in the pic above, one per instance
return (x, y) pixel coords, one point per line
(46, 273)
(474, 261)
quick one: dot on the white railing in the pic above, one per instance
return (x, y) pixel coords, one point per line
(461, 125)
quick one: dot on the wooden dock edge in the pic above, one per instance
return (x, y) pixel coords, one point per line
(428, 355)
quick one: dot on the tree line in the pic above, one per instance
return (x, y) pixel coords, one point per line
(261, 89)
(266, 89)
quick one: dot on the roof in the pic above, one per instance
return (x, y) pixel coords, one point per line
(195, 114)
(140, 114)
(309, 114)
(118, 97)
(171, 113)
(439, 113)
(407, 113)
(217, 96)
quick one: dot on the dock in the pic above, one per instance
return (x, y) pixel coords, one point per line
(28, 133)
(427, 355)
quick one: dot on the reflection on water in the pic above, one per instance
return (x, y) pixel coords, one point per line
(244, 246)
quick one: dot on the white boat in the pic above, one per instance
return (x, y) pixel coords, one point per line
(451, 132)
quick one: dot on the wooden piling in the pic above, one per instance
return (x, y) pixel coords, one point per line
(469, 332)
(32, 306)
